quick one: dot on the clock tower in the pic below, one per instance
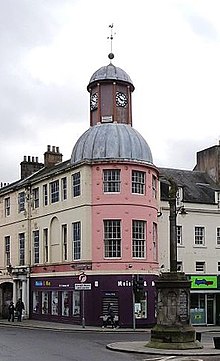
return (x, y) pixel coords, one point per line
(110, 91)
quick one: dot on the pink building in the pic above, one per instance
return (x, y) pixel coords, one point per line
(86, 227)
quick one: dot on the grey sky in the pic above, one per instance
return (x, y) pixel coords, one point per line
(50, 48)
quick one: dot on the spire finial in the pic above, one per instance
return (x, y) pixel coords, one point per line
(111, 37)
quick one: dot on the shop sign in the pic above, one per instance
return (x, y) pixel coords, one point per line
(42, 283)
(203, 282)
(83, 286)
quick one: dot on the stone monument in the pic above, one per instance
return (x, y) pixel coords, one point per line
(173, 329)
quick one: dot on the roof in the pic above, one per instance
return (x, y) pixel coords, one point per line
(110, 72)
(197, 186)
(111, 141)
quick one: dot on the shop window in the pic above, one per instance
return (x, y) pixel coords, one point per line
(65, 303)
(111, 180)
(76, 303)
(45, 303)
(54, 303)
(138, 182)
(36, 302)
(141, 305)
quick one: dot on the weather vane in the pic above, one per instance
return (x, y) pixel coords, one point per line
(111, 37)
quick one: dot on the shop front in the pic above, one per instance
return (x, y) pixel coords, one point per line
(205, 300)
(84, 299)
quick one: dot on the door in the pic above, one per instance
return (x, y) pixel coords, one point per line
(210, 309)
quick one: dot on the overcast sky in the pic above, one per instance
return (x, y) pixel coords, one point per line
(50, 48)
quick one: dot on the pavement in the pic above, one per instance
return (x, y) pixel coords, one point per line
(131, 346)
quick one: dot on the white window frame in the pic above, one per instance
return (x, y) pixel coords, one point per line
(65, 242)
(21, 240)
(64, 188)
(138, 182)
(54, 191)
(7, 250)
(45, 194)
(7, 206)
(200, 266)
(218, 236)
(112, 238)
(138, 239)
(179, 235)
(21, 201)
(36, 243)
(199, 236)
(76, 184)
(76, 240)
(36, 201)
(111, 180)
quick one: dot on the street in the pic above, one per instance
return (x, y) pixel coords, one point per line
(19, 344)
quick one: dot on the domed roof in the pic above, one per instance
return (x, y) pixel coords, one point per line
(111, 141)
(110, 72)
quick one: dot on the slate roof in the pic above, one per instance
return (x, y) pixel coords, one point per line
(197, 186)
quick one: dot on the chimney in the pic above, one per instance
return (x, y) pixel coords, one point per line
(52, 156)
(208, 160)
(29, 166)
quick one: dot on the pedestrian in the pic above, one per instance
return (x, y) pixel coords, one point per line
(111, 315)
(19, 308)
(11, 312)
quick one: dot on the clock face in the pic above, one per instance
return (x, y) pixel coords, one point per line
(121, 99)
(94, 101)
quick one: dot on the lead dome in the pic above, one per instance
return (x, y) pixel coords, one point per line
(111, 142)
(110, 72)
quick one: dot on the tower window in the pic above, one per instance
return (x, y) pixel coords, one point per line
(138, 239)
(111, 180)
(112, 238)
(138, 182)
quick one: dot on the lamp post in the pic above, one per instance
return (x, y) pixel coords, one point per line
(173, 214)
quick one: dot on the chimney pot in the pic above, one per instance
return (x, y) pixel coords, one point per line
(29, 158)
(48, 148)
